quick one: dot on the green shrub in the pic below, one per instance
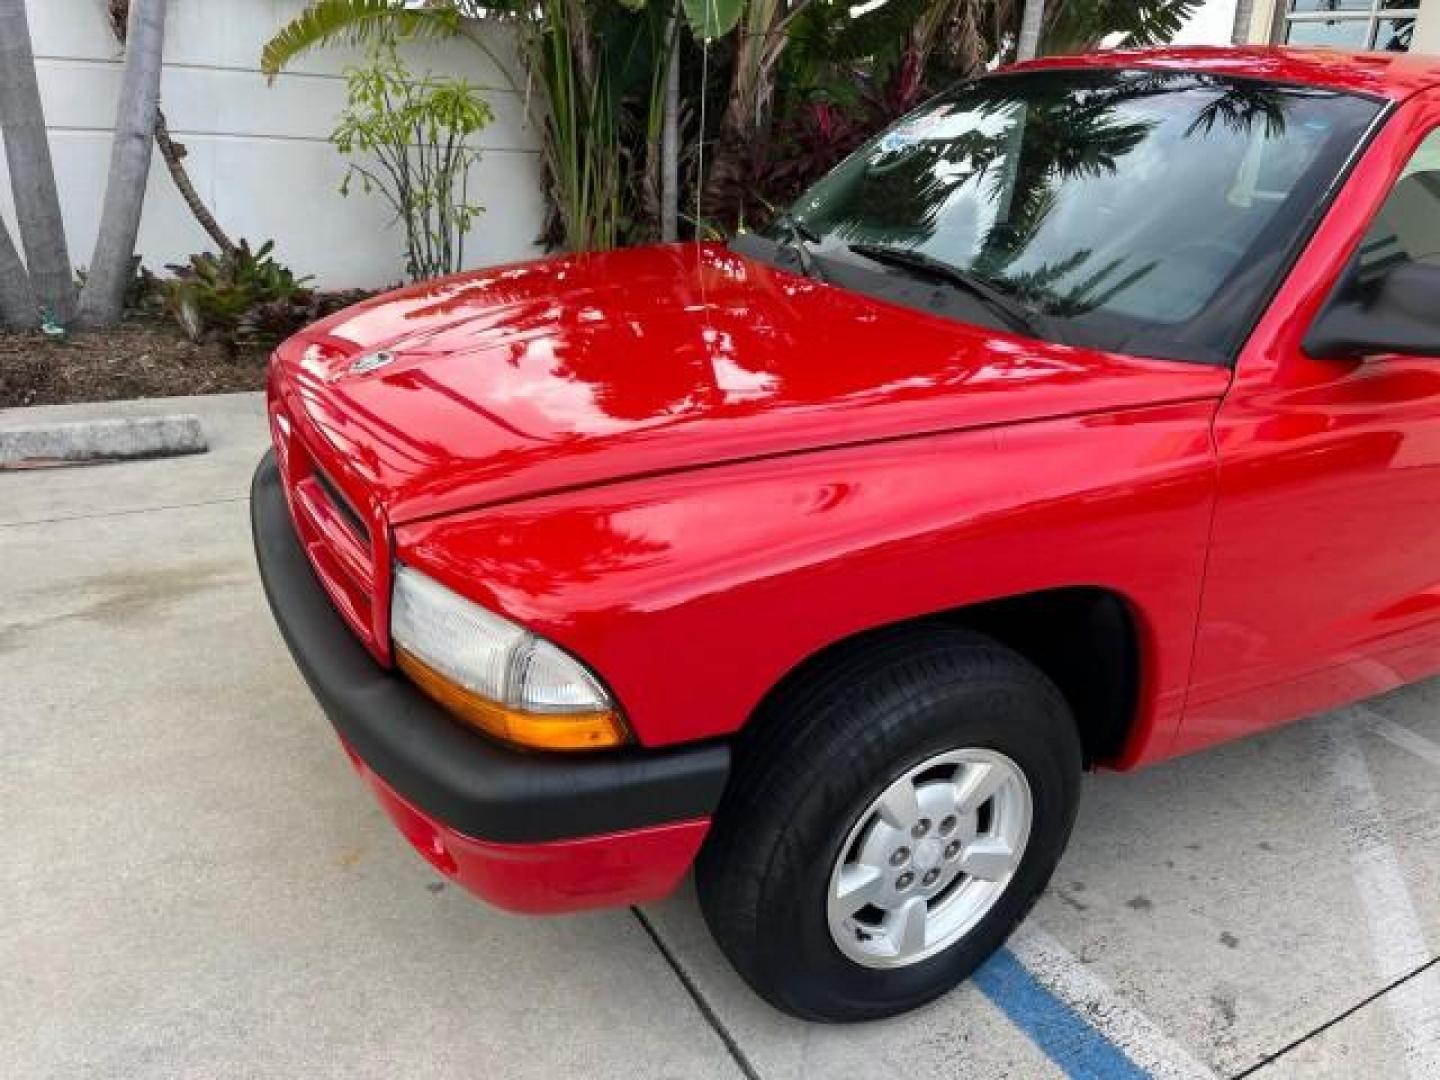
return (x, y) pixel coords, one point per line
(407, 139)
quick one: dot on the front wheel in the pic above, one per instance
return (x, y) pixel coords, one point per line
(893, 815)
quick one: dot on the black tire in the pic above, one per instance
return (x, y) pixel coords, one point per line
(825, 746)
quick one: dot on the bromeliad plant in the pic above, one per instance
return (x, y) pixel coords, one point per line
(409, 140)
(213, 294)
(243, 297)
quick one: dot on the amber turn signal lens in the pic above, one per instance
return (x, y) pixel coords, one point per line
(538, 731)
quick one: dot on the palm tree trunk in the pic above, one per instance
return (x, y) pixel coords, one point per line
(174, 154)
(1244, 14)
(32, 177)
(112, 267)
(1031, 25)
(17, 299)
(670, 135)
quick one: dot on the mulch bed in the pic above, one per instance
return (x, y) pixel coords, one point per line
(143, 357)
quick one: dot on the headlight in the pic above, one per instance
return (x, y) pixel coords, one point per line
(497, 676)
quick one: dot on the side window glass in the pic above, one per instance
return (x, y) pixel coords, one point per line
(1407, 228)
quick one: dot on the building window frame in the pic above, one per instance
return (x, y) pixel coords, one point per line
(1373, 15)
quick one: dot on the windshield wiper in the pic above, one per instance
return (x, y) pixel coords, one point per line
(1011, 310)
(798, 238)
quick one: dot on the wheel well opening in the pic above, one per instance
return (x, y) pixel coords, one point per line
(1085, 641)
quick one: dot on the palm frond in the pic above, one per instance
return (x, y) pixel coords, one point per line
(1157, 24)
(1080, 25)
(352, 22)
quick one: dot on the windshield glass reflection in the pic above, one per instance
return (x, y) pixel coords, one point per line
(1134, 209)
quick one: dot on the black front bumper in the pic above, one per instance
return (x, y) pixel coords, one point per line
(464, 780)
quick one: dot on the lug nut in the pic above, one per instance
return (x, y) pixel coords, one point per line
(905, 880)
(947, 824)
(900, 856)
(952, 849)
(931, 876)
(921, 828)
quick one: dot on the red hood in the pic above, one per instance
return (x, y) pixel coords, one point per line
(576, 371)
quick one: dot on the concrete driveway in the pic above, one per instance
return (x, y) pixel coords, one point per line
(195, 883)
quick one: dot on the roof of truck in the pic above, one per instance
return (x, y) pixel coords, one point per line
(1395, 76)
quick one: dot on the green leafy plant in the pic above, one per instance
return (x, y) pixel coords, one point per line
(1078, 25)
(593, 87)
(211, 294)
(408, 139)
(782, 90)
(240, 299)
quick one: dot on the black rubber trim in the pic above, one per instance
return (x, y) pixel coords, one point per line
(453, 774)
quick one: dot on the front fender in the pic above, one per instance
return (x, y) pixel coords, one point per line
(694, 593)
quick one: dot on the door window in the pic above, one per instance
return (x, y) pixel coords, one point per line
(1407, 229)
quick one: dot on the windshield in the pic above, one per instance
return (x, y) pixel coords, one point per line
(1134, 211)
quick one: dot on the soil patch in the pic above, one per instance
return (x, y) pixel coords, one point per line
(143, 357)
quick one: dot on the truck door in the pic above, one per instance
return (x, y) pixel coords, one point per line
(1323, 579)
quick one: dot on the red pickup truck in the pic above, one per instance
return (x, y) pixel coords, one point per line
(1088, 416)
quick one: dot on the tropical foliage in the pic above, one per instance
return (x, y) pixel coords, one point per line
(240, 297)
(772, 92)
(212, 293)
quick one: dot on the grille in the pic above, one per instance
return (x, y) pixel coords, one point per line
(337, 538)
(342, 506)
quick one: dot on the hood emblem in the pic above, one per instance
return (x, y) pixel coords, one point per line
(371, 362)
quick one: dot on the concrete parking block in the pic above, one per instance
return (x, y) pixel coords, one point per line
(234, 426)
(104, 440)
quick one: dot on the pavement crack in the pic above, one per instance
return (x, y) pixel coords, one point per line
(1295, 1044)
(737, 1054)
(121, 513)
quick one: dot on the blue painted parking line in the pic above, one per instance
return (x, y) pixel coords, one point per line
(1075, 1046)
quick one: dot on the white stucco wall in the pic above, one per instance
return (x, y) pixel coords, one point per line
(258, 154)
(1213, 23)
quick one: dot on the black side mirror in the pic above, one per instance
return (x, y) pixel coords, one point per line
(1377, 311)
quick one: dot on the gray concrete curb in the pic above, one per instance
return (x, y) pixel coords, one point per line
(100, 440)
